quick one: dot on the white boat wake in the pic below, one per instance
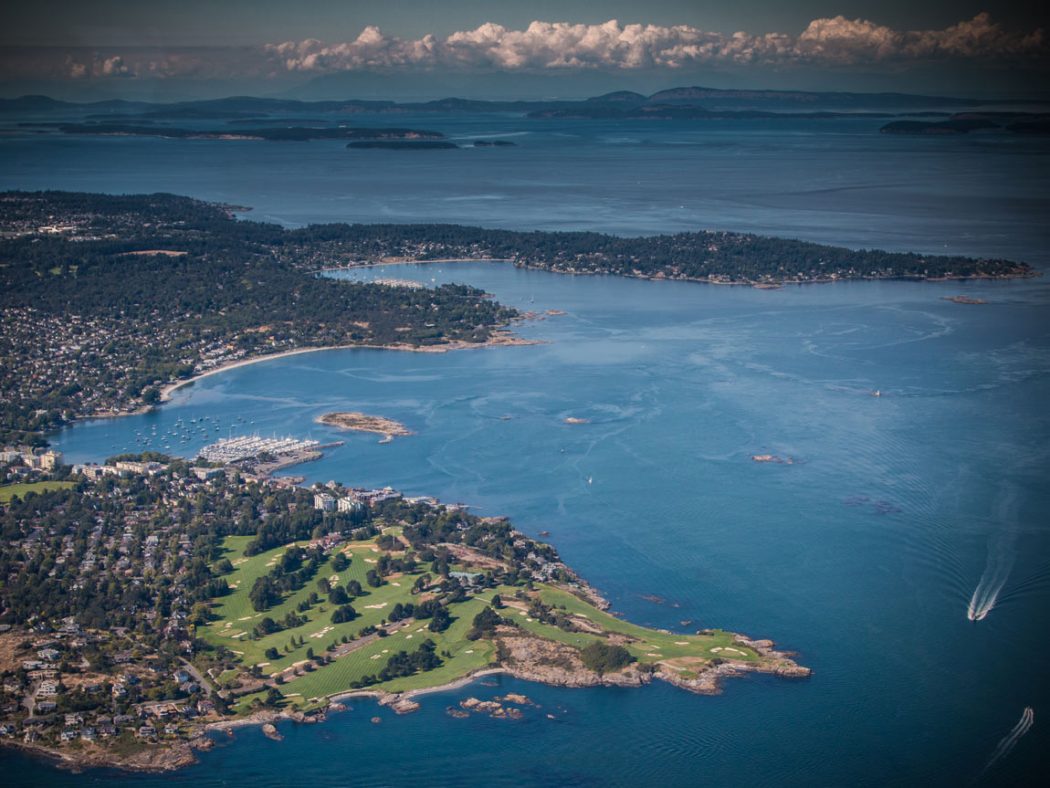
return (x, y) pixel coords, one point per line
(1007, 744)
(986, 595)
(997, 569)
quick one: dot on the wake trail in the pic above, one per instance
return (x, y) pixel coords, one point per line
(1000, 561)
(1006, 745)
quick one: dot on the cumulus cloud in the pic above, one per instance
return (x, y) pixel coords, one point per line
(562, 45)
(553, 46)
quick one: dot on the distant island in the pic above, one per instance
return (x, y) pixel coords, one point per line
(404, 144)
(362, 422)
(367, 137)
(677, 103)
(966, 122)
(264, 601)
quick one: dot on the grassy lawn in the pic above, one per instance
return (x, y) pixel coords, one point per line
(236, 618)
(651, 641)
(8, 491)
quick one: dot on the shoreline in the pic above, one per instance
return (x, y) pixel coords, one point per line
(660, 277)
(500, 340)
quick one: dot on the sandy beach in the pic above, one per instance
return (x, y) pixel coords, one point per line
(498, 340)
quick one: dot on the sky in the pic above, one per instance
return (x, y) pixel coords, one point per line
(539, 48)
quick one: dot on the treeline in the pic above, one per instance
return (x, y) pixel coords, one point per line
(734, 257)
(105, 580)
(295, 568)
(404, 663)
(274, 134)
(143, 287)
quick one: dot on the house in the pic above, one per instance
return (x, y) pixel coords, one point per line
(46, 707)
(206, 473)
(146, 732)
(181, 676)
(68, 735)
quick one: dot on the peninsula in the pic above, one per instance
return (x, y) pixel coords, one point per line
(124, 646)
(362, 422)
(108, 301)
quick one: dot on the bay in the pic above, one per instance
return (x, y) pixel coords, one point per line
(863, 554)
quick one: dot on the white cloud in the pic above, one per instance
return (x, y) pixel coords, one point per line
(562, 45)
(835, 42)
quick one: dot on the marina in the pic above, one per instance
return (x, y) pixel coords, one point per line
(230, 450)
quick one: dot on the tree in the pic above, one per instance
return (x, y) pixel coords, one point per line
(343, 614)
(484, 624)
(338, 596)
(264, 593)
(440, 621)
(602, 657)
(273, 698)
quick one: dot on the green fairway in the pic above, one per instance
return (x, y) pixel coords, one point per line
(8, 491)
(235, 618)
(650, 641)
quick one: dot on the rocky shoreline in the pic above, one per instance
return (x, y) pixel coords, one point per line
(361, 422)
(524, 657)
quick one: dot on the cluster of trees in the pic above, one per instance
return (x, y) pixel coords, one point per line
(602, 657)
(294, 570)
(343, 613)
(267, 626)
(427, 527)
(404, 663)
(485, 623)
(101, 594)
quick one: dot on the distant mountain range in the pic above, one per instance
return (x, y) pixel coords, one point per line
(675, 103)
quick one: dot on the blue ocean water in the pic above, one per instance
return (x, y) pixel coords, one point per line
(863, 555)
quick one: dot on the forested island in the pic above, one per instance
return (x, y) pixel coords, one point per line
(108, 299)
(374, 136)
(966, 122)
(146, 603)
(406, 144)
